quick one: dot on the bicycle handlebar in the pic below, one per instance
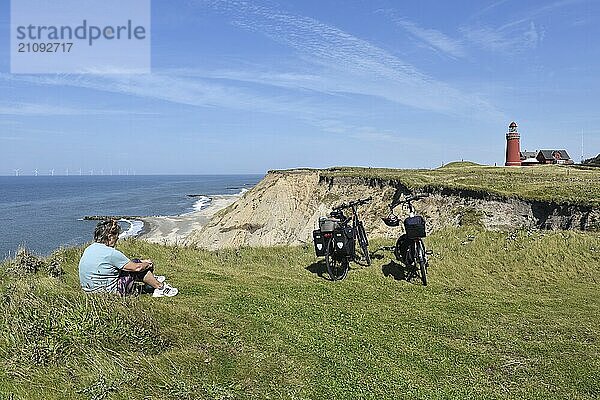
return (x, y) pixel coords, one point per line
(353, 203)
(414, 197)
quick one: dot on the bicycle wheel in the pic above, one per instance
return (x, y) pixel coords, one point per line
(363, 242)
(401, 249)
(420, 255)
(337, 267)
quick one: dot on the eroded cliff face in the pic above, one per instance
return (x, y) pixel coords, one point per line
(283, 209)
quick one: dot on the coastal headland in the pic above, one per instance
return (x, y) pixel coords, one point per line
(510, 311)
(283, 209)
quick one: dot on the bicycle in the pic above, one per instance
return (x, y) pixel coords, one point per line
(409, 248)
(337, 236)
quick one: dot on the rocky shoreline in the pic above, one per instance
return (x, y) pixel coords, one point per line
(107, 217)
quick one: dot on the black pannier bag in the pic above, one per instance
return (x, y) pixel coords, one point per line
(415, 227)
(350, 236)
(343, 240)
(320, 242)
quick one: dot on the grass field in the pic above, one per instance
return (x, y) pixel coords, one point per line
(505, 316)
(555, 183)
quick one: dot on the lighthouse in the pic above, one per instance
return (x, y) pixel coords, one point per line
(513, 146)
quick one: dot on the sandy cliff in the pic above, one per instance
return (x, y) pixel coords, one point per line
(285, 206)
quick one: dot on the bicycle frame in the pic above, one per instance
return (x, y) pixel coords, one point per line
(416, 253)
(341, 254)
(355, 221)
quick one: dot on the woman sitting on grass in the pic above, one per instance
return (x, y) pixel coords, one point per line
(104, 269)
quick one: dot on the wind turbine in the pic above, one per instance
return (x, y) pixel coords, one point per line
(91, 172)
(67, 171)
(51, 172)
(35, 172)
(17, 171)
(80, 172)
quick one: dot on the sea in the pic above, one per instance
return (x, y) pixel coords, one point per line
(44, 213)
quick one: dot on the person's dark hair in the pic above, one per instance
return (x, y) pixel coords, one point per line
(105, 229)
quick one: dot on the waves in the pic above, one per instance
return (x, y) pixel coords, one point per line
(202, 203)
(135, 228)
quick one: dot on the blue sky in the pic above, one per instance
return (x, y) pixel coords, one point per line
(248, 86)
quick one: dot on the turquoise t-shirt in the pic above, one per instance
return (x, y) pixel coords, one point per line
(99, 268)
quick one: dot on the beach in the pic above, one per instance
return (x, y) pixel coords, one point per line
(176, 229)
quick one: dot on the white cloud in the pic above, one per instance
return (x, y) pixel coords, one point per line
(347, 64)
(505, 40)
(180, 87)
(488, 8)
(543, 10)
(40, 109)
(340, 65)
(435, 39)
(533, 36)
(518, 34)
(11, 138)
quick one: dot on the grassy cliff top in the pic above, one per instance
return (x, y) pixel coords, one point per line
(497, 321)
(560, 184)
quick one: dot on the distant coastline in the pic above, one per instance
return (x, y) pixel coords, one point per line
(46, 213)
(172, 229)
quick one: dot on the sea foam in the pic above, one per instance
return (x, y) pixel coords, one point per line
(202, 203)
(135, 227)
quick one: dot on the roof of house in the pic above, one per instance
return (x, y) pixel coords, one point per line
(528, 154)
(593, 160)
(547, 154)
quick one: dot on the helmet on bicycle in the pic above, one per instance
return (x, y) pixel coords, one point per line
(391, 220)
(338, 214)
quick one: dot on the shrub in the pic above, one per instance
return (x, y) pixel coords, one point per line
(25, 263)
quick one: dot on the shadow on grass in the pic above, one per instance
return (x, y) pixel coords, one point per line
(399, 272)
(319, 268)
(360, 262)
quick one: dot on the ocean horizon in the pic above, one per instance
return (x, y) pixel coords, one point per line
(44, 213)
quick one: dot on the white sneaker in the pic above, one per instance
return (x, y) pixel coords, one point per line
(160, 278)
(166, 291)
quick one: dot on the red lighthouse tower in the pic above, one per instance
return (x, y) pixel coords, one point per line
(513, 146)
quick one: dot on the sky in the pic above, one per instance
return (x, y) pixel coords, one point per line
(249, 86)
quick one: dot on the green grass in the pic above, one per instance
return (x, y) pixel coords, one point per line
(554, 183)
(506, 315)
